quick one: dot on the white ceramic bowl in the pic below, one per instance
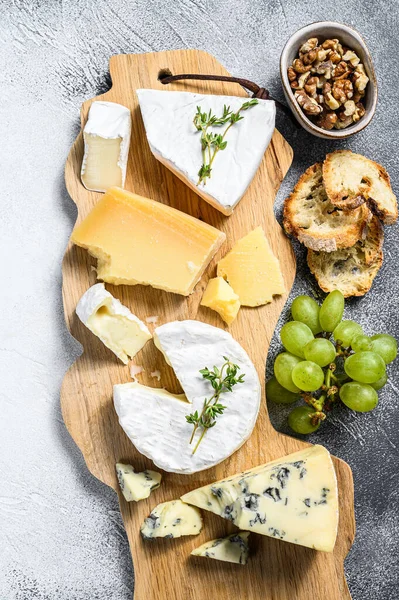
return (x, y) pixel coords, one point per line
(324, 30)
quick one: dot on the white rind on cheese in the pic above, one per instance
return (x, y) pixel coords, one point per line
(175, 142)
(233, 548)
(136, 486)
(118, 329)
(294, 499)
(108, 120)
(155, 421)
(172, 520)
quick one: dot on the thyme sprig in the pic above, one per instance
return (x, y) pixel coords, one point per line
(211, 142)
(222, 380)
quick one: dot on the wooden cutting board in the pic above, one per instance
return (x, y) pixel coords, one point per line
(164, 569)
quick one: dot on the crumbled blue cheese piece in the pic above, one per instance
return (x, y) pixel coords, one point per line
(233, 548)
(172, 520)
(136, 486)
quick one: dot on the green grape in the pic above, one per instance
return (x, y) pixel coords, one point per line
(361, 343)
(320, 351)
(358, 396)
(299, 420)
(307, 376)
(283, 366)
(331, 311)
(295, 336)
(346, 331)
(306, 310)
(385, 345)
(277, 393)
(366, 367)
(377, 385)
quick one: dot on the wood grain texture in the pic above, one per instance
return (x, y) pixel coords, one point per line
(164, 569)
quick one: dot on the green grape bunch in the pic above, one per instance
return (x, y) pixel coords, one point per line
(327, 360)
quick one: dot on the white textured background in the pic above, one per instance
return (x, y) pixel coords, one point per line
(61, 536)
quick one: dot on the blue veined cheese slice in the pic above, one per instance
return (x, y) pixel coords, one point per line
(175, 142)
(155, 420)
(118, 329)
(136, 486)
(172, 520)
(294, 499)
(233, 548)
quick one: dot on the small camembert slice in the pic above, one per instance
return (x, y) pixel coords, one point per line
(220, 296)
(155, 420)
(172, 520)
(233, 548)
(175, 142)
(118, 329)
(252, 270)
(136, 486)
(106, 146)
(140, 241)
(294, 499)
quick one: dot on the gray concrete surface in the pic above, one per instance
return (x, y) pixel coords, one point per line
(61, 536)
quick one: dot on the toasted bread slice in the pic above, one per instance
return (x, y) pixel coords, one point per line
(318, 224)
(351, 179)
(350, 270)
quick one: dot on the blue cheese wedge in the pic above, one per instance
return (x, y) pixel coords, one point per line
(175, 141)
(136, 486)
(155, 420)
(172, 520)
(294, 499)
(106, 146)
(118, 329)
(233, 549)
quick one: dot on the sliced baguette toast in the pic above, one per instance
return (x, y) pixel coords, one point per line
(350, 270)
(351, 179)
(316, 222)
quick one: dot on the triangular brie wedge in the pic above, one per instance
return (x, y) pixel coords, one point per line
(294, 498)
(175, 142)
(155, 420)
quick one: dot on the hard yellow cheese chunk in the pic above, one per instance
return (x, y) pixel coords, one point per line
(219, 296)
(137, 240)
(252, 270)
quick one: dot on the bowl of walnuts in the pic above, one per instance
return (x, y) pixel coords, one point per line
(329, 80)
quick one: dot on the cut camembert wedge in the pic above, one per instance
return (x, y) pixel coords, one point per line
(155, 420)
(294, 499)
(106, 146)
(137, 240)
(118, 329)
(175, 142)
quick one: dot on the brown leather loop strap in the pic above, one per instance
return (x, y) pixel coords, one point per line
(165, 76)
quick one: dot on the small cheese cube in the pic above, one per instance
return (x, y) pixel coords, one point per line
(172, 520)
(136, 486)
(219, 296)
(233, 548)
